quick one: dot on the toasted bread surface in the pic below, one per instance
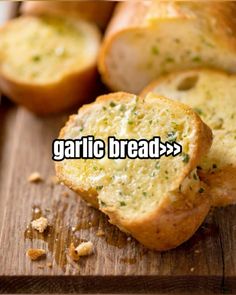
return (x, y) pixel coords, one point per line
(163, 202)
(98, 12)
(212, 95)
(54, 64)
(146, 39)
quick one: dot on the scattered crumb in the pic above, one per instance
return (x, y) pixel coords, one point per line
(72, 253)
(192, 269)
(84, 249)
(129, 239)
(35, 254)
(41, 266)
(100, 233)
(197, 251)
(54, 180)
(73, 229)
(49, 264)
(35, 177)
(40, 224)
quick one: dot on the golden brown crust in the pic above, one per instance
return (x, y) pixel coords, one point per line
(215, 17)
(93, 11)
(172, 222)
(51, 98)
(221, 185)
(72, 89)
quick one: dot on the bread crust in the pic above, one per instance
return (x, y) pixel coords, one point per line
(221, 184)
(98, 12)
(133, 16)
(171, 223)
(70, 90)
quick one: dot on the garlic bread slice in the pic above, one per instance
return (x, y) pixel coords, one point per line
(160, 202)
(212, 94)
(48, 63)
(147, 39)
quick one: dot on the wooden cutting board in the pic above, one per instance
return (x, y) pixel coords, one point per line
(207, 262)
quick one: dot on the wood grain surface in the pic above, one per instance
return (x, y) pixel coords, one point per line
(206, 263)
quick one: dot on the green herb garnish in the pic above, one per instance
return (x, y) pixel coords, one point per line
(171, 136)
(122, 203)
(112, 104)
(185, 158)
(155, 50)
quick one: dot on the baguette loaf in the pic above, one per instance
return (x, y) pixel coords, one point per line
(48, 64)
(146, 39)
(92, 11)
(160, 202)
(212, 94)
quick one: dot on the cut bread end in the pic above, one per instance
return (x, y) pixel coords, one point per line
(163, 202)
(48, 63)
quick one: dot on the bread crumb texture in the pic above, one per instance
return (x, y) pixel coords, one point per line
(35, 177)
(40, 224)
(83, 249)
(35, 254)
(132, 118)
(49, 48)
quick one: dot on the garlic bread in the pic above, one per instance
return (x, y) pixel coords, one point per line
(147, 39)
(212, 94)
(160, 202)
(48, 64)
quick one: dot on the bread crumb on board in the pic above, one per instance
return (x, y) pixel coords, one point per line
(35, 177)
(35, 254)
(192, 269)
(84, 249)
(40, 224)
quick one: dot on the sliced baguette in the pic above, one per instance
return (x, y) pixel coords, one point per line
(159, 202)
(48, 64)
(213, 95)
(98, 12)
(146, 39)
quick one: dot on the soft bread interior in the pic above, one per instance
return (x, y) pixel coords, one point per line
(44, 49)
(213, 96)
(133, 187)
(133, 58)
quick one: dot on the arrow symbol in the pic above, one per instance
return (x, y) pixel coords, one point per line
(177, 149)
(162, 149)
(170, 149)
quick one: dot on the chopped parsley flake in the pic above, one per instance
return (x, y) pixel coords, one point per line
(157, 165)
(155, 50)
(112, 104)
(171, 136)
(99, 187)
(185, 158)
(122, 203)
(36, 58)
(196, 59)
